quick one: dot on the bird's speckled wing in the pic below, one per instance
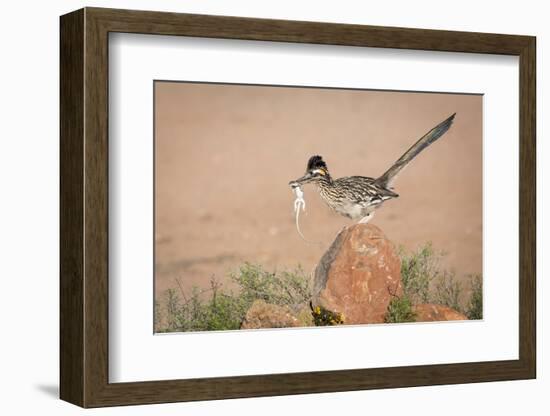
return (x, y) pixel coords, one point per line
(355, 196)
(362, 188)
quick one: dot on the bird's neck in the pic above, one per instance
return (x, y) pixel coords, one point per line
(325, 182)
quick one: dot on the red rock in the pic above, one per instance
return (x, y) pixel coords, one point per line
(358, 275)
(266, 315)
(428, 312)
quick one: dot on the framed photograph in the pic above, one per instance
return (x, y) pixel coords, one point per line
(255, 207)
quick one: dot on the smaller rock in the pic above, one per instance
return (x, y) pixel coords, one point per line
(428, 312)
(265, 315)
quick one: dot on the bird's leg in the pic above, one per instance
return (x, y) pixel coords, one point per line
(366, 218)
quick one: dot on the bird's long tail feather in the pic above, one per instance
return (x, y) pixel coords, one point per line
(386, 179)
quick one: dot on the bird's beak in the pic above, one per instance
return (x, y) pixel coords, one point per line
(300, 181)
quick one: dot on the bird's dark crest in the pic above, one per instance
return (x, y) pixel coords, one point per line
(316, 162)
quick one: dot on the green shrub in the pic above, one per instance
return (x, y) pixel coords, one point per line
(474, 309)
(400, 310)
(447, 291)
(418, 270)
(424, 281)
(286, 288)
(216, 308)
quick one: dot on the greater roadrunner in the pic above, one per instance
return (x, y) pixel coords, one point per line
(357, 197)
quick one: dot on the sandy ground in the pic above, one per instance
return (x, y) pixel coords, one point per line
(225, 155)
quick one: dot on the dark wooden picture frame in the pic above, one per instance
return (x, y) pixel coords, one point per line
(84, 207)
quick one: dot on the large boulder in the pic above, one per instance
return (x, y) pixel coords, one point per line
(427, 312)
(265, 315)
(358, 275)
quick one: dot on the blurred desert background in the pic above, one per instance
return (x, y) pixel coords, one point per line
(225, 154)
